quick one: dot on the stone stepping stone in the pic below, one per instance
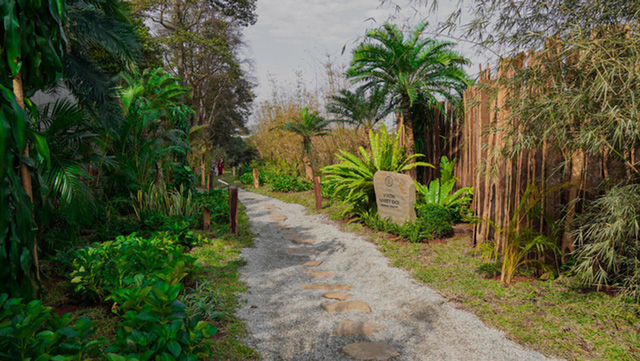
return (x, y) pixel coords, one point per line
(346, 306)
(271, 206)
(337, 295)
(370, 351)
(279, 218)
(356, 328)
(301, 251)
(303, 240)
(318, 274)
(327, 286)
(315, 263)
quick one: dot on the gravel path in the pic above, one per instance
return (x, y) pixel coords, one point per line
(286, 322)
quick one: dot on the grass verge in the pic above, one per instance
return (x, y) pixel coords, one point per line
(555, 317)
(217, 287)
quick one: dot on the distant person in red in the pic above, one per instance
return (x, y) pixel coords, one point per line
(220, 166)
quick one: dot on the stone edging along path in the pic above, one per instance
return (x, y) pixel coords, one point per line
(318, 293)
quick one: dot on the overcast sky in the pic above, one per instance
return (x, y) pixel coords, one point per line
(296, 35)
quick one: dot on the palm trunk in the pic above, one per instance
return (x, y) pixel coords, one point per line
(25, 174)
(407, 135)
(306, 158)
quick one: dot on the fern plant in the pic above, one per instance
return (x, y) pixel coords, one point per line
(353, 175)
(441, 191)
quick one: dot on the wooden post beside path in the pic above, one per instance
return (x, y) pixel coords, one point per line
(206, 219)
(210, 182)
(256, 180)
(233, 210)
(318, 193)
(234, 171)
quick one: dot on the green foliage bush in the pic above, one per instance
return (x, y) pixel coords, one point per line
(246, 178)
(217, 202)
(30, 331)
(156, 325)
(433, 221)
(289, 183)
(176, 227)
(102, 268)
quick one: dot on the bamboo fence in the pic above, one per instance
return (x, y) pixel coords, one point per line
(500, 181)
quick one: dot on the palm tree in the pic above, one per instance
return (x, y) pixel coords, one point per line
(360, 110)
(409, 69)
(308, 125)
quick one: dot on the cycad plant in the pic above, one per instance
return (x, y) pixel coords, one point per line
(360, 108)
(353, 176)
(409, 69)
(307, 125)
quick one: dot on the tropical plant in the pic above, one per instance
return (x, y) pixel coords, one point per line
(102, 42)
(307, 125)
(608, 251)
(31, 331)
(170, 202)
(155, 128)
(102, 268)
(432, 221)
(440, 191)
(157, 326)
(290, 183)
(353, 176)
(408, 70)
(516, 242)
(33, 41)
(359, 108)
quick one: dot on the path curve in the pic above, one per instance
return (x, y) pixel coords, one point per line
(286, 322)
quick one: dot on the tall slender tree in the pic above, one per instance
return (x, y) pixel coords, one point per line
(409, 68)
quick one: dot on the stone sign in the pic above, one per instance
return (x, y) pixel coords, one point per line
(395, 196)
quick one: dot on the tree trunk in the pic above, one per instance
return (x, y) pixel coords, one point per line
(25, 175)
(24, 170)
(306, 158)
(203, 168)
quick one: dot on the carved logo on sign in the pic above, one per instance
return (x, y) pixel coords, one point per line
(388, 181)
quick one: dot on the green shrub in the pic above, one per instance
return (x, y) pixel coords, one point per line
(102, 268)
(156, 325)
(30, 331)
(432, 222)
(217, 202)
(246, 178)
(289, 183)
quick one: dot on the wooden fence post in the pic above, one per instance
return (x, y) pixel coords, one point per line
(210, 182)
(256, 180)
(233, 210)
(206, 219)
(318, 193)
(234, 171)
